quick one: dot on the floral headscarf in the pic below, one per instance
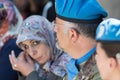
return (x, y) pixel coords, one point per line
(39, 28)
(8, 11)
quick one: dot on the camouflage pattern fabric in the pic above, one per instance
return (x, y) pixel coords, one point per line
(88, 70)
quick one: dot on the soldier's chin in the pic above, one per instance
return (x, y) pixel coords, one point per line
(58, 46)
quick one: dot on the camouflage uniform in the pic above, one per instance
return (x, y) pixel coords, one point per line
(88, 71)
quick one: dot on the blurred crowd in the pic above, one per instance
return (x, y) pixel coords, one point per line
(44, 8)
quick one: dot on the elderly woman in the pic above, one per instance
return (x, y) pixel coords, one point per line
(10, 20)
(108, 49)
(41, 60)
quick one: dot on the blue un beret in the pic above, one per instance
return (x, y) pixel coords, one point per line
(89, 11)
(108, 30)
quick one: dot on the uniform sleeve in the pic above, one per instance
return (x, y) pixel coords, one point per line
(34, 76)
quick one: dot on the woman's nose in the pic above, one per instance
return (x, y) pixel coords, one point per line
(32, 51)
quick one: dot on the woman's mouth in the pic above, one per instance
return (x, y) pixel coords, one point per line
(39, 58)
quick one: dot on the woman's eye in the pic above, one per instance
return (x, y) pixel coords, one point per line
(34, 43)
(25, 47)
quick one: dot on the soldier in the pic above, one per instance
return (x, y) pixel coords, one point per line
(75, 28)
(108, 49)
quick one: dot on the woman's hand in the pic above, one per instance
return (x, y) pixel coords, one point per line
(23, 63)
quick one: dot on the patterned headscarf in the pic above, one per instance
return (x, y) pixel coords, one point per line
(39, 28)
(9, 12)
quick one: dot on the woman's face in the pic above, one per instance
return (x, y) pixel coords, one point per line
(39, 51)
(103, 63)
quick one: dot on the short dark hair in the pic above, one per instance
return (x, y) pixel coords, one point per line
(89, 30)
(111, 49)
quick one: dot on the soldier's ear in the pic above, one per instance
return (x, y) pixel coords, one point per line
(113, 63)
(73, 34)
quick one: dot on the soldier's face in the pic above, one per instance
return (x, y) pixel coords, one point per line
(103, 63)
